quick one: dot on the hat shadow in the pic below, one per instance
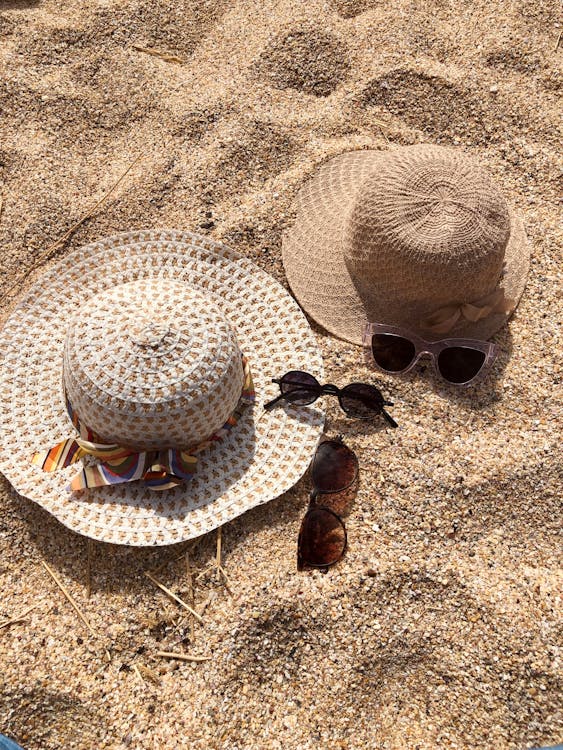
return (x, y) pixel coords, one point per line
(119, 567)
(343, 425)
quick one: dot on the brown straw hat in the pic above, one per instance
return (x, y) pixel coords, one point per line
(160, 346)
(418, 237)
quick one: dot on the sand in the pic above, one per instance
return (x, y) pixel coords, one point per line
(441, 627)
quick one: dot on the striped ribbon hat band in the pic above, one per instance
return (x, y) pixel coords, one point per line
(159, 470)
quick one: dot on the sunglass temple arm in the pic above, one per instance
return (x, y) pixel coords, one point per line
(274, 401)
(389, 418)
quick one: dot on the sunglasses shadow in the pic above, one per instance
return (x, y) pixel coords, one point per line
(341, 424)
(487, 388)
(482, 393)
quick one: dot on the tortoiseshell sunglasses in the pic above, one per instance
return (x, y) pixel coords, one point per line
(322, 536)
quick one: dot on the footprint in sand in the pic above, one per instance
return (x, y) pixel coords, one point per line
(176, 27)
(353, 8)
(425, 102)
(512, 59)
(306, 59)
(249, 156)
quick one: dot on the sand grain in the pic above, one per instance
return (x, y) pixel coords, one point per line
(441, 628)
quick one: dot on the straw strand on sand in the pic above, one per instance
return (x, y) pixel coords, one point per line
(89, 546)
(190, 577)
(182, 657)
(46, 255)
(138, 673)
(15, 620)
(166, 56)
(218, 552)
(70, 599)
(172, 595)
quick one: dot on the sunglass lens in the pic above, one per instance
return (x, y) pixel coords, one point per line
(300, 387)
(334, 467)
(392, 353)
(361, 400)
(460, 364)
(322, 538)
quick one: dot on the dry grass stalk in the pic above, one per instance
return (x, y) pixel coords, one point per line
(558, 41)
(190, 577)
(172, 595)
(58, 243)
(166, 56)
(89, 569)
(182, 657)
(1, 206)
(192, 630)
(92, 210)
(226, 580)
(207, 602)
(138, 673)
(189, 544)
(218, 553)
(70, 599)
(220, 569)
(19, 618)
(219, 540)
(205, 571)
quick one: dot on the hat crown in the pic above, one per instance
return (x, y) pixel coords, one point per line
(152, 364)
(428, 228)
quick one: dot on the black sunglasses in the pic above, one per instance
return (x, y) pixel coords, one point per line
(322, 536)
(357, 400)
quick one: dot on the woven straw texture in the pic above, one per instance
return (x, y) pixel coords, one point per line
(395, 236)
(153, 365)
(130, 278)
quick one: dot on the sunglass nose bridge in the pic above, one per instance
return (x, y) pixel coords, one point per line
(313, 496)
(422, 353)
(329, 388)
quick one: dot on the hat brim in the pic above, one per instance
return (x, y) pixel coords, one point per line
(261, 458)
(313, 253)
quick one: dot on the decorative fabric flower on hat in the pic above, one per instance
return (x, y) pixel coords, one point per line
(444, 319)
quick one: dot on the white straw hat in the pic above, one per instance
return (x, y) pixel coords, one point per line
(418, 237)
(145, 340)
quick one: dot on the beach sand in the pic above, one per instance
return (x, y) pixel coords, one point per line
(441, 627)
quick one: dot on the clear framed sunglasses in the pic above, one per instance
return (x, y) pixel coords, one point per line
(456, 361)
